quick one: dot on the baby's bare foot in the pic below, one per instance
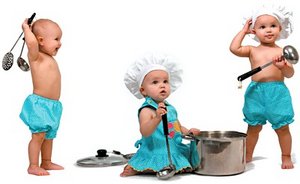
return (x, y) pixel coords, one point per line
(51, 166)
(128, 171)
(286, 162)
(248, 158)
(38, 171)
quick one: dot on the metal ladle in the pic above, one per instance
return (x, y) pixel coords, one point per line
(289, 53)
(8, 58)
(168, 171)
(23, 65)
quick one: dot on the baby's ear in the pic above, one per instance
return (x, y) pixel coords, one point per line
(40, 40)
(252, 31)
(142, 91)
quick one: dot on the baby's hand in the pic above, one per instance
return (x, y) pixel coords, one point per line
(194, 131)
(161, 110)
(246, 28)
(25, 24)
(279, 62)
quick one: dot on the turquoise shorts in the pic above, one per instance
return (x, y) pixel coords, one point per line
(41, 115)
(268, 101)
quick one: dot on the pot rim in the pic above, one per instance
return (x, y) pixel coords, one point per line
(217, 136)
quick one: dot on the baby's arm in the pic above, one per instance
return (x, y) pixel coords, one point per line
(186, 131)
(236, 44)
(31, 42)
(149, 119)
(286, 68)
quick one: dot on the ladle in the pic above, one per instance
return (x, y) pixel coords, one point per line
(23, 65)
(8, 58)
(168, 171)
(289, 53)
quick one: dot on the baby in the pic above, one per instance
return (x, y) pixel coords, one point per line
(42, 110)
(154, 78)
(267, 98)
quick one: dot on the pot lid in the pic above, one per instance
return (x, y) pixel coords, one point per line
(104, 159)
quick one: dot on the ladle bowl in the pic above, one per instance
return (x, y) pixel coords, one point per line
(166, 172)
(23, 65)
(290, 54)
(8, 61)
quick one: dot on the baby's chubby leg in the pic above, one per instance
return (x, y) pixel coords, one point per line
(251, 140)
(46, 156)
(285, 141)
(33, 152)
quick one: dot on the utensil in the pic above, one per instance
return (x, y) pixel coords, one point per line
(23, 65)
(8, 58)
(289, 53)
(168, 171)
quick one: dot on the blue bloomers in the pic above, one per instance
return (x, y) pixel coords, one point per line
(268, 101)
(41, 115)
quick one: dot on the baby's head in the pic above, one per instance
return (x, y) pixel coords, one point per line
(48, 35)
(43, 27)
(280, 13)
(155, 68)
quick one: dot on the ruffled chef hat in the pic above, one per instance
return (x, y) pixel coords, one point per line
(281, 13)
(137, 71)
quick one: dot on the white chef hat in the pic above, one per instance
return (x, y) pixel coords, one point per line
(281, 13)
(137, 71)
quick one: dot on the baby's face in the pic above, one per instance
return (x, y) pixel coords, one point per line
(52, 39)
(156, 85)
(267, 28)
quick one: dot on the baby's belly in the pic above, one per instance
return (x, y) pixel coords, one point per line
(48, 93)
(267, 75)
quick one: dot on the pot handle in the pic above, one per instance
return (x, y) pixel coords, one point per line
(189, 137)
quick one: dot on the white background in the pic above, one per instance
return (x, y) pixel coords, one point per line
(100, 40)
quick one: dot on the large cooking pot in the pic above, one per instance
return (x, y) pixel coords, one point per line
(220, 152)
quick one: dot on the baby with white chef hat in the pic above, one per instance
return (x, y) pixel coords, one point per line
(267, 98)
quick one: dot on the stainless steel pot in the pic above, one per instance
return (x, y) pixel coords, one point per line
(220, 152)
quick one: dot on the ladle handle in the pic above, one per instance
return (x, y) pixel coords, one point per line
(248, 74)
(166, 132)
(29, 21)
(165, 124)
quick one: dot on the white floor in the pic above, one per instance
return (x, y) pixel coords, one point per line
(258, 172)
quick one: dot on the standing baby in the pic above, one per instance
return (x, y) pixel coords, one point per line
(42, 109)
(267, 98)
